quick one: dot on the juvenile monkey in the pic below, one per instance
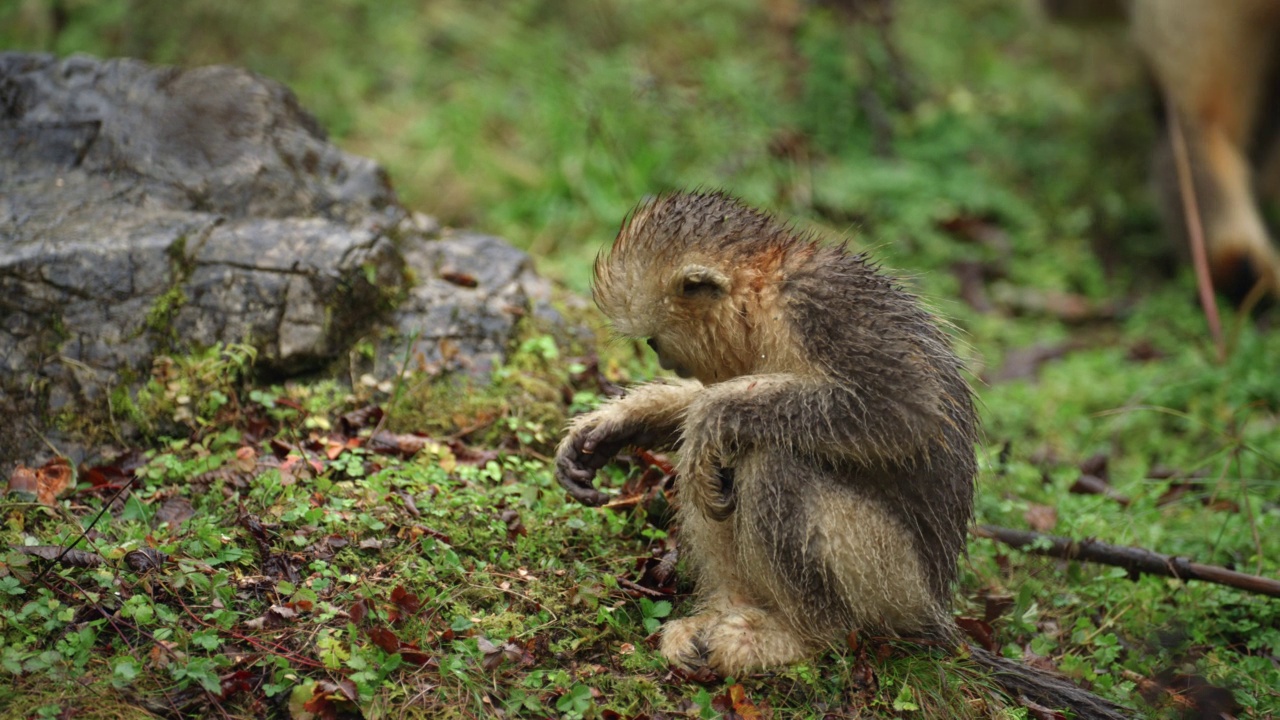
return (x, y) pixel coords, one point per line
(826, 437)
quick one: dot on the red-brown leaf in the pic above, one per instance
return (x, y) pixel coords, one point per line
(742, 705)
(385, 639)
(408, 603)
(45, 483)
(980, 631)
(359, 611)
(460, 279)
(1041, 518)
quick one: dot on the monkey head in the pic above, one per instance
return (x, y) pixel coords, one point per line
(693, 274)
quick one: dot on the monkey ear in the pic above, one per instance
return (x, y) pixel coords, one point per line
(700, 280)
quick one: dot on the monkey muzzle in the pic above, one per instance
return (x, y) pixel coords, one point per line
(665, 362)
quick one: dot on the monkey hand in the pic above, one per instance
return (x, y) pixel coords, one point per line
(705, 480)
(592, 442)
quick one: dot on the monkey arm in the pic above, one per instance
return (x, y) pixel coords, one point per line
(806, 415)
(649, 416)
(818, 415)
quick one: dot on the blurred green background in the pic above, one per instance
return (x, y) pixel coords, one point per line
(545, 120)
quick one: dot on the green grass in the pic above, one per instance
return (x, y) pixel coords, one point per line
(999, 141)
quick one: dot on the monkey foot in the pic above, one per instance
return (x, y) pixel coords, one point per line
(683, 644)
(733, 642)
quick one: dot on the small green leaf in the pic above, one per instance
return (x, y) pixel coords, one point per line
(124, 671)
(903, 702)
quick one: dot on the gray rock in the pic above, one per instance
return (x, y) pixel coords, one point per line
(470, 292)
(148, 210)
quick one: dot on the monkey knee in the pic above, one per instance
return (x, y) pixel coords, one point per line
(872, 567)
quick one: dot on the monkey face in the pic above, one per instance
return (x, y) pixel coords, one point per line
(666, 362)
(682, 273)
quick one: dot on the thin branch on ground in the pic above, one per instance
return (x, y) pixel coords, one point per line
(1195, 230)
(1135, 560)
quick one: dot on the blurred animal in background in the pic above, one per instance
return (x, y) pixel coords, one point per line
(1215, 64)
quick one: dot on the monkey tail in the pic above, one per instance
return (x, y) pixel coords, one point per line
(1047, 689)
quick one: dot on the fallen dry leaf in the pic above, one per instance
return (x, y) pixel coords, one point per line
(1096, 465)
(61, 555)
(973, 276)
(460, 279)
(735, 705)
(239, 681)
(1070, 308)
(402, 445)
(45, 484)
(1094, 485)
(979, 230)
(1041, 518)
(367, 416)
(980, 631)
(742, 705)
(407, 604)
(144, 559)
(175, 511)
(22, 481)
(995, 605)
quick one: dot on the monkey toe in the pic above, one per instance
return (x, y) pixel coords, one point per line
(683, 643)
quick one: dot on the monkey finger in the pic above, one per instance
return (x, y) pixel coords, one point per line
(583, 493)
(600, 442)
(578, 474)
(576, 479)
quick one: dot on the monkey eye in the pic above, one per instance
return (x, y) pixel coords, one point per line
(652, 343)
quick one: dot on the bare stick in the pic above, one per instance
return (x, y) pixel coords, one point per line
(1135, 560)
(1195, 230)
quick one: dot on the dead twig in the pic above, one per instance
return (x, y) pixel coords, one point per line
(1195, 231)
(635, 587)
(1135, 560)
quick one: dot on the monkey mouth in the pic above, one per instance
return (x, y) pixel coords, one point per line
(665, 362)
(677, 368)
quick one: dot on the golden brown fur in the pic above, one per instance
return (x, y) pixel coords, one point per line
(1215, 65)
(826, 439)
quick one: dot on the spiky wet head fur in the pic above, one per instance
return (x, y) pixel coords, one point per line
(692, 272)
